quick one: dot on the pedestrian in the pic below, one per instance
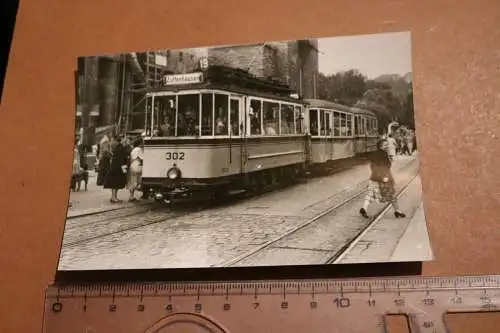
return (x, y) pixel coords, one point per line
(410, 143)
(135, 170)
(104, 158)
(116, 177)
(77, 169)
(381, 184)
(391, 147)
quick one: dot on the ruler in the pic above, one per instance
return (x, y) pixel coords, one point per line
(315, 305)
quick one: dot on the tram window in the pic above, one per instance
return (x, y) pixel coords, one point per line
(164, 116)
(298, 120)
(235, 117)
(313, 122)
(221, 114)
(336, 124)
(328, 124)
(207, 117)
(322, 122)
(188, 114)
(255, 114)
(349, 124)
(287, 116)
(343, 124)
(271, 118)
(356, 125)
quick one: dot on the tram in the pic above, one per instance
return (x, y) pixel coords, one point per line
(222, 131)
(339, 132)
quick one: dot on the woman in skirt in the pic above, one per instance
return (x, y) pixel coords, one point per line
(116, 178)
(135, 171)
(381, 184)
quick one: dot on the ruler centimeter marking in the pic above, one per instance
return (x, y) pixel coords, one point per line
(323, 305)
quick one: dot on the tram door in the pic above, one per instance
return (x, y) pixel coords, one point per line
(325, 128)
(328, 134)
(238, 129)
(357, 136)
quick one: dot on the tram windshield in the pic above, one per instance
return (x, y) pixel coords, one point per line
(194, 114)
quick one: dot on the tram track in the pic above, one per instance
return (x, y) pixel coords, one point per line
(355, 195)
(142, 218)
(159, 214)
(104, 218)
(348, 246)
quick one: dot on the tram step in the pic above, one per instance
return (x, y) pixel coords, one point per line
(236, 192)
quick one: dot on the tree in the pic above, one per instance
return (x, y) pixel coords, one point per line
(343, 87)
(384, 98)
(407, 114)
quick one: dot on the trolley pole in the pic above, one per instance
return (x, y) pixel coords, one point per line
(390, 126)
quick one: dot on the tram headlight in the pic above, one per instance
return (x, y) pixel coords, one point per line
(174, 173)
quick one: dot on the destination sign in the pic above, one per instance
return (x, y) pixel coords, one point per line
(175, 79)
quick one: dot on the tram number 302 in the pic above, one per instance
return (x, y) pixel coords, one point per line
(175, 156)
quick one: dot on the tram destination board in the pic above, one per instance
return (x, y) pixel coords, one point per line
(334, 305)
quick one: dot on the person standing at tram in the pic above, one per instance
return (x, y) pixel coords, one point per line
(381, 184)
(135, 171)
(104, 158)
(116, 178)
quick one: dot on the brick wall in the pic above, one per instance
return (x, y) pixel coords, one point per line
(276, 61)
(181, 61)
(248, 57)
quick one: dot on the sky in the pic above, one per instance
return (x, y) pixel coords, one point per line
(372, 55)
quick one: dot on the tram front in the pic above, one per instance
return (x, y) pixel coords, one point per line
(181, 147)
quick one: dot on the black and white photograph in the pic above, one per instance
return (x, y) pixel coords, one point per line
(297, 152)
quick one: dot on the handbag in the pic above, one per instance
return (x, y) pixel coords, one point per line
(136, 166)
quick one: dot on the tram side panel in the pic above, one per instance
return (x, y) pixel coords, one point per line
(371, 144)
(321, 150)
(360, 144)
(343, 148)
(273, 152)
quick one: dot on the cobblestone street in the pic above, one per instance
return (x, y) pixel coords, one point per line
(146, 236)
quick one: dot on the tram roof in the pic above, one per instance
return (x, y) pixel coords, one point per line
(363, 111)
(323, 104)
(238, 81)
(229, 88)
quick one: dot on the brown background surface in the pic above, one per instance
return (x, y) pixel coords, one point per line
(456, 67)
